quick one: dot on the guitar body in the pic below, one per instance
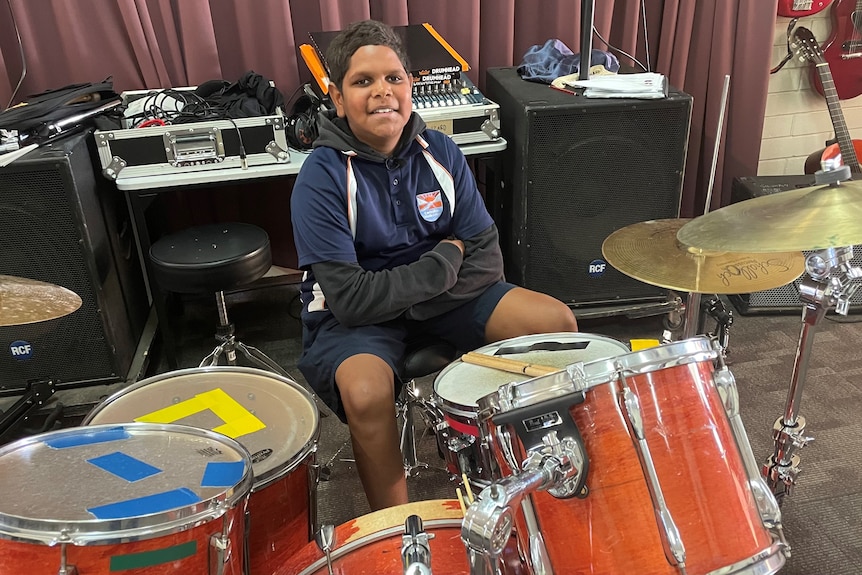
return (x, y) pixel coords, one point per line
(812, 162)
(800, 8)
(845, 39)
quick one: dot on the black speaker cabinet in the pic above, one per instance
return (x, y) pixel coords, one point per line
(783, 299)
(575, 170)
(63, 224)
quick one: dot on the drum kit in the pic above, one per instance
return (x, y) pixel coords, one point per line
(588, 456)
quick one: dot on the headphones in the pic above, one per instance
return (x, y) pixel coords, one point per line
(301, 125)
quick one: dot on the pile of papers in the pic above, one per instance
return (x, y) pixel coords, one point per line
(646, 85)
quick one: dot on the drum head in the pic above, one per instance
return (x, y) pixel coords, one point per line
(271, 416)
(113, 483)
(460, 384)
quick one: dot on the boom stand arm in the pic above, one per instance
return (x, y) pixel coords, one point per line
(829, 283)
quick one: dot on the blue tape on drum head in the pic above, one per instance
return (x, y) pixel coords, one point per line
(223, 473)
(88, 437)
(124, 466)
(155, 503)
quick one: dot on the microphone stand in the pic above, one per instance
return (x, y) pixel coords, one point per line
(587, 10)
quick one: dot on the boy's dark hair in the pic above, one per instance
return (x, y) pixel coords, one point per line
(355, 36)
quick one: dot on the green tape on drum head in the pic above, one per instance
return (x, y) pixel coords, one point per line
(150, 558)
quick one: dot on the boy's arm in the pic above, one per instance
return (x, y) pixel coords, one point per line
(359, 297)
(481, 268)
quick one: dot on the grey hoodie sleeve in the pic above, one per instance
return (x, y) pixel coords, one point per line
(482, 267)
(359, 297)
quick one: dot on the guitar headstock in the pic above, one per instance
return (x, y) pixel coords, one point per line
(806, 44)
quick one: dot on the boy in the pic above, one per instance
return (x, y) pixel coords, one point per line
(395, 240)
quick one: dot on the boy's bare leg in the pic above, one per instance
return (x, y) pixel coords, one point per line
(367, 387)
(524, 312)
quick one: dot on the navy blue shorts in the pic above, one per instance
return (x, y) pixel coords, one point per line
(331, 343)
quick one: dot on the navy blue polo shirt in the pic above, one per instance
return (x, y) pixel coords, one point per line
(384, 214)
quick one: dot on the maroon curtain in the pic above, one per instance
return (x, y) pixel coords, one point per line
(169, 43)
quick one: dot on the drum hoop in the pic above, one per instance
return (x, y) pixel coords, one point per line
(111, 531)
(375, 537)
(472, 411)
(586, 376)
(260, 481)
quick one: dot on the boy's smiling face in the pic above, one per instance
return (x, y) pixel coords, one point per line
(375, 97)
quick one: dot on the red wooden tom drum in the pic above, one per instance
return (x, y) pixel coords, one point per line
(136, 498)
(273, 417)
(696, 457)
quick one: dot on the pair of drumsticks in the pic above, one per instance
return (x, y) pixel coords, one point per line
(502, 364)
(461, 499)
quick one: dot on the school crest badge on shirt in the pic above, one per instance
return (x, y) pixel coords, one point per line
(430, 205)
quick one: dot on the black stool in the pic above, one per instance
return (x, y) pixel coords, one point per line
(215, 258)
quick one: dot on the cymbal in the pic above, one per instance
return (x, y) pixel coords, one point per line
(24, 301)
(649, 252)
(812, 218)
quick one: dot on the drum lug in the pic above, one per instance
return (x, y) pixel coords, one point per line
(219, 553)
(65, 569)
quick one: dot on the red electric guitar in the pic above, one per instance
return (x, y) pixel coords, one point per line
(850, 150)
(843, 50)
(799, 8)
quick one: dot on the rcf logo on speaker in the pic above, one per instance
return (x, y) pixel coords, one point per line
(597, 268)
(21, 350)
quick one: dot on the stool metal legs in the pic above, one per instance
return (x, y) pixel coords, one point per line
(229, 345)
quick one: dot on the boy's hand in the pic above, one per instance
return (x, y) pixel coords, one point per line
(458, 243)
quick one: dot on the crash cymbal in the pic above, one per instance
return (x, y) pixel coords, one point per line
(811, 218)
(649, 252)
(25, 301)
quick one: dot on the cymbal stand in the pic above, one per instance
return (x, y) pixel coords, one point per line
(829, 282)
(35, 395)
(714, 308)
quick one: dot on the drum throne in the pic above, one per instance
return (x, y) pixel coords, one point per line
(214, 258)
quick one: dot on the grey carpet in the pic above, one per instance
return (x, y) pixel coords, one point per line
(822, 518)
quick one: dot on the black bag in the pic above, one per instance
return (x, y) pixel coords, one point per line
(54, 105)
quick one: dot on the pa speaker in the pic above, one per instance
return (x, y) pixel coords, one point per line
(574, 171)
(62, 225)
(783, 299)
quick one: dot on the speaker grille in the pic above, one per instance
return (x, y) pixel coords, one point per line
(575, 171)
(53, 231)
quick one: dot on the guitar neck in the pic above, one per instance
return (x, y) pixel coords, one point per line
(833, 103)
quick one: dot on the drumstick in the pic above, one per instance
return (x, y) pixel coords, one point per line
(510, 365)
(461, 501)
(467, 488)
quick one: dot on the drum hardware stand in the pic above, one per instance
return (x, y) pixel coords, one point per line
(829, 283)
(35, 395)
(488, 522)
(415, 551)
(325, 539)
(635, 311)
(767, 504)
(715, 309)
(408, 400)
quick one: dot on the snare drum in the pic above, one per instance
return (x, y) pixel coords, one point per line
(372, 543)
(689, 445)
(271, 416)
(459, 386)
(133, 498)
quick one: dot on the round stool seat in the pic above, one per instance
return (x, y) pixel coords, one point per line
(213, 257)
